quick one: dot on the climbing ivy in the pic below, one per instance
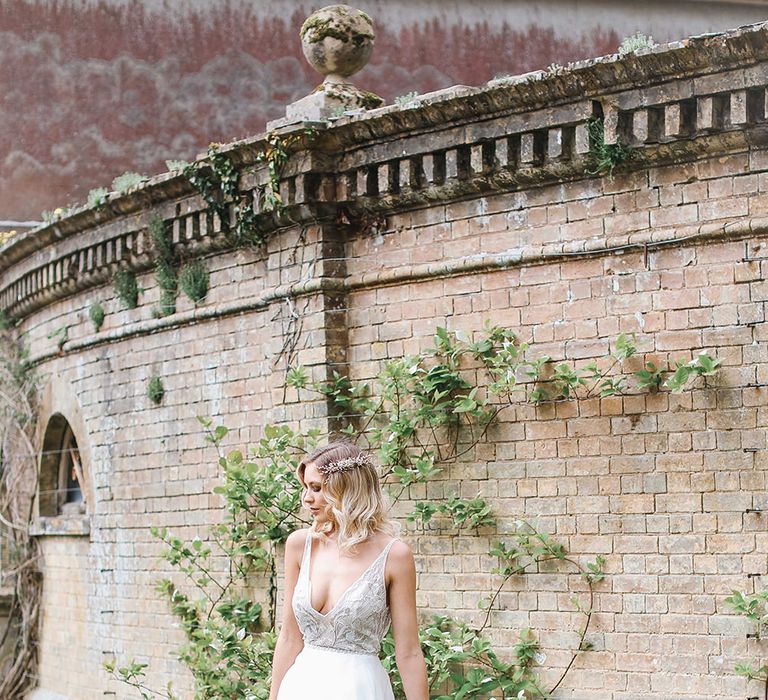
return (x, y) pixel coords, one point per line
(217, 179)
(421, 414)
(754, 607)
(230, 637)
(428, 410)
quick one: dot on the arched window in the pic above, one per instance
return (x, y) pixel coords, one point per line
(61, 473)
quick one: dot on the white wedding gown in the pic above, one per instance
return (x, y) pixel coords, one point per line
(340, 658)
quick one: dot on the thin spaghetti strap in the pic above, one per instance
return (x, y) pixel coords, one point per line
(385, 552)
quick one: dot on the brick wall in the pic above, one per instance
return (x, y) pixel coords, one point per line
(658, 484)
(476, 204)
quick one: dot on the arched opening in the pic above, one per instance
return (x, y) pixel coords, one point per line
(61, 474)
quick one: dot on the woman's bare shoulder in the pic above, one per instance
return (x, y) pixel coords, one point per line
(400, 565)
(296, 540)
(401, 553)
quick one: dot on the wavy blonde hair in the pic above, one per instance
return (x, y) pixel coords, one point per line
(358, 507)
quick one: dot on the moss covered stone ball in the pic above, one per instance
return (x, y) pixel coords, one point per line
(337, 40)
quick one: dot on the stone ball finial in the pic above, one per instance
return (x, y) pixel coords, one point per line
(337, 41)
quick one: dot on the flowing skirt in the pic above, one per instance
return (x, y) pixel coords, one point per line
(326, 674)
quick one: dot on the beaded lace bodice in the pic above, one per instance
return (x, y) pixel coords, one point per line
(360, 618)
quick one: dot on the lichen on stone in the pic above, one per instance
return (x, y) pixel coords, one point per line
(334, 27)
(350, 95)
(370, 100)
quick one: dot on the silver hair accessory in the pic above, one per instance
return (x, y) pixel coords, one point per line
(343, 465)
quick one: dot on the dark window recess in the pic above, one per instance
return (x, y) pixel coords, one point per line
(61, 471)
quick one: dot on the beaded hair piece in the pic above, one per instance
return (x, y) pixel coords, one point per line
(343, 465)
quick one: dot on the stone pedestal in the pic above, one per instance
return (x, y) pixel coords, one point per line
(337, 41)
(329, 100)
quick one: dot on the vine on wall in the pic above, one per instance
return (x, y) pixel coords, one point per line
(18, 480)
(217, 179)
(422, 414)
(754, 606)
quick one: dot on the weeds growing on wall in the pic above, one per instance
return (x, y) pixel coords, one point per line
(217, 180)
(155, 390)
(60, 336)
(96, 314)
(18, 480)
(97, 197)
(54, 215)
(194, 280)
(127, 181)
(126, 287)
(166, 266)
(605, 157)
(406, 99)
(422, 414)
(635, 42)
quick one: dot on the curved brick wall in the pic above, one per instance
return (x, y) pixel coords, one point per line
(475, 203)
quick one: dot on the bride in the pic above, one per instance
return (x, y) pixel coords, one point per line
(346, 579)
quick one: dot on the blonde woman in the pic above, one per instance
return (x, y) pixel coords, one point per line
(347, 577)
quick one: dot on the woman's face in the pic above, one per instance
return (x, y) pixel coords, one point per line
(312, 496)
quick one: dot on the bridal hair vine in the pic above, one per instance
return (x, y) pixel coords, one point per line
(343, 465)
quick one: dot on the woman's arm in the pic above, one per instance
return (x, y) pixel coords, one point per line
(289, 641)
(405, 627)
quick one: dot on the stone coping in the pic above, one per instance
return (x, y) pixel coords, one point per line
(64, 525)
(671, 101)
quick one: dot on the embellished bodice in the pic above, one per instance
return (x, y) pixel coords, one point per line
(360, 618)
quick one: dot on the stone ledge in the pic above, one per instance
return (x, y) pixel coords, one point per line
(492, 158)
(68, 526)
(693, 58)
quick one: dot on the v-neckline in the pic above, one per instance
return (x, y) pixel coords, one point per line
(349, 588)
